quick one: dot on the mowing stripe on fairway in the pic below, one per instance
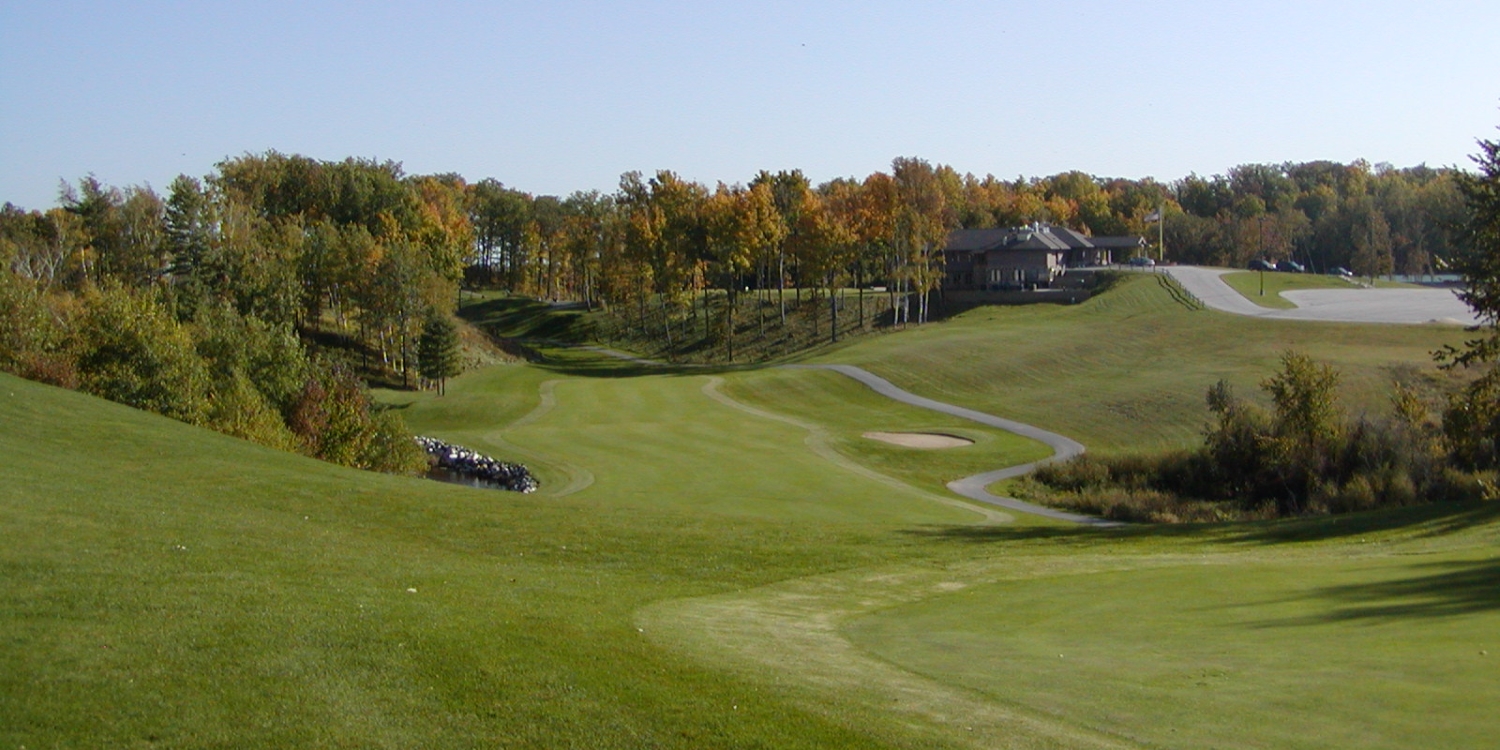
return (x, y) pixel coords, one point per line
(972, 487)
(579, 478)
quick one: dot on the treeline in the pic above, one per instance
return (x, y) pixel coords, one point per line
(362, 255)
(215, 368)
(1325, 215)
(361, 248)
(664, 238)
(1306, 455)
(202, 305)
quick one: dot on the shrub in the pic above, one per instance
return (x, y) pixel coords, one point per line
(1471, 423)
(1305, 458)
(32, 334)
(131, 350)
(238, 409)
(333, 420)
(1074, 475)
(391, 448)
(270, 357)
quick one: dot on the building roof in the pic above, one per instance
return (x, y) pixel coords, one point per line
(1074, 239)
(1019, 238)
(977, 240)
(1037, 236)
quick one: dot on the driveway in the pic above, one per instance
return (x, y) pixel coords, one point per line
(1411, 306)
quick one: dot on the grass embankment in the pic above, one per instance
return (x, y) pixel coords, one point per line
(1248, 284)
(1126, 372)
(167, 585)
(692, 331)
(695, 575)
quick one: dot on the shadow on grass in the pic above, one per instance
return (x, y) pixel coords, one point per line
(518, 317)
(1443, 589)
(1061, 535)
(1436, 519)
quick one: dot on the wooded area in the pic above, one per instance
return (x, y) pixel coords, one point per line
(202, 303)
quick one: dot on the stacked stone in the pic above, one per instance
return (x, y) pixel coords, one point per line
(456, 458)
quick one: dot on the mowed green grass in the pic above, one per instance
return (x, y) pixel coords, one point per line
(1278, 648)
(848, 409)
(1248, 284)
(695, 574)
(166, 585)
(661, 442)
(1127, 371)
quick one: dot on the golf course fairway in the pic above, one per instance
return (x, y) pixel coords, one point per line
(718, 558)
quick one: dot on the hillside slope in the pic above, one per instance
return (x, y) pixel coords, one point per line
(1127, 371)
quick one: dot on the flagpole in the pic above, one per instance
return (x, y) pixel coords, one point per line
(1161, 233)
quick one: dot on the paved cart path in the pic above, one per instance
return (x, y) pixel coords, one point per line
(1410, 306)
(974, 487)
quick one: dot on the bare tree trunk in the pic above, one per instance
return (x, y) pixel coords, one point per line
(781, 284)
(859, 281)
(666, 323)
(813, 298)
(760, 302)
(833, 309)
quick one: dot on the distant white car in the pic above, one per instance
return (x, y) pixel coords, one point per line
(1143, 262)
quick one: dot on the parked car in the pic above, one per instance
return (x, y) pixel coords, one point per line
(1142, 261)
(1261, 265)
(1290, 266)
(1340, 271)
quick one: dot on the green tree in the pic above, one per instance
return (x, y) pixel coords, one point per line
(1479, 261)
(1306, 428)
(1370, 234)
(1472, 419)
(438, 355)
(131, 350)
(188, 239)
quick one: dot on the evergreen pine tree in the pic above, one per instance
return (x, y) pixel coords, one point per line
(437, 350)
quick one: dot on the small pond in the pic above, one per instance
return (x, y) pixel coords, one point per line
(457, 477)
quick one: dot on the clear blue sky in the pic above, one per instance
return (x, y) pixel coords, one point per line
(551, 97)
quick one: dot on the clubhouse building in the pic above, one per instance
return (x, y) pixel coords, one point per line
(1029, 257)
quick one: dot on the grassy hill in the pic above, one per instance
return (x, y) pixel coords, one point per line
(1127, 371)
(718, 559)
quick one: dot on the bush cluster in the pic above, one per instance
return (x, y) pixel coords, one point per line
(1303, 456)
(218, 369)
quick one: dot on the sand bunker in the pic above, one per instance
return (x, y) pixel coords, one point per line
(919, 439)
